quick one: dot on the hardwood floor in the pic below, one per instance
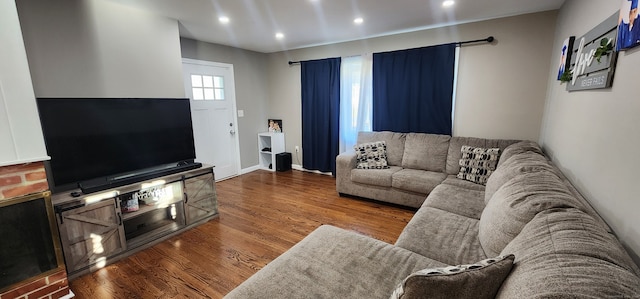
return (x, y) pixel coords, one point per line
(262, 214)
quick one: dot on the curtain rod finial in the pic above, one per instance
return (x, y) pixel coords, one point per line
(490, 39)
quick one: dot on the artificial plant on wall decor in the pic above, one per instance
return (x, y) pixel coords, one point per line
(606, 46)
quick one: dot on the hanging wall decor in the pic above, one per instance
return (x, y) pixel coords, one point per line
(629, 25)
(593, 60)
(565, 58)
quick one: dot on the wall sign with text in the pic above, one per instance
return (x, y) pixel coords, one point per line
(594, 57)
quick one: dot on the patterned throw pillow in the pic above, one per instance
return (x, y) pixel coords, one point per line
(477, 163)
(479, 280)
(372, 155)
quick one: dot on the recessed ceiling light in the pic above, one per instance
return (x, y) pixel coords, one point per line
(223, 20)
(279, 35)
(448, 3)
(358, 20)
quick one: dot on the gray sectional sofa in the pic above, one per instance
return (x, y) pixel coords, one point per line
(528, 212)
(417, 164)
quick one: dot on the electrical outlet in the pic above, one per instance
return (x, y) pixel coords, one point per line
(297, 149)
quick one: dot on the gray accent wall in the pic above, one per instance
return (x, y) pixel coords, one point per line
(97, 48)
(501, 87)
(593, 135)
(251, 77)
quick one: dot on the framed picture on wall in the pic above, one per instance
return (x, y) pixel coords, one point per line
(628, 25)
(565, 56)
(275, 125)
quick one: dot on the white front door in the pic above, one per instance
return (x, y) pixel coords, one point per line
(211, 88)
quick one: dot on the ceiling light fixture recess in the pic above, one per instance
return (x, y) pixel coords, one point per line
(279, 35)
(448, 3)
(223, 20)
(358, 20)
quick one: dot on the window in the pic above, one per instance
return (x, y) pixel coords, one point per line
(208, 88)
(355, 99)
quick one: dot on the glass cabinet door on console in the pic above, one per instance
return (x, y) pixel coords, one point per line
(90, 234)
(200, 197)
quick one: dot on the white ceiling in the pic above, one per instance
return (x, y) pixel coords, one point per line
(305, 23)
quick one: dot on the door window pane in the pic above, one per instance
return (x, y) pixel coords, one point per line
(219, 94)
(198, 94)
(207, 81)
(219, 82)
(196, 81)
(208, 94)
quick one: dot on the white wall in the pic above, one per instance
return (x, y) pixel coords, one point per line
(501, 87)
(250, 70)
(97, 48)
(593, 135)
(20, 133)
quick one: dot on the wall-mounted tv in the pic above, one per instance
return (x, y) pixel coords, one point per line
(97, 141)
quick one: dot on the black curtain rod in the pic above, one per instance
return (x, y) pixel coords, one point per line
(489, 39)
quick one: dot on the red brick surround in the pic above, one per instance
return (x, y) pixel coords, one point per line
(23, 179)
(53, 286)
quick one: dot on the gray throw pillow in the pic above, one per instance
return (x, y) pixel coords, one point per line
(479, 280)
(477, 164)
(372, 155)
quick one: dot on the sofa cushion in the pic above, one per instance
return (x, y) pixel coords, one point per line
(532, 160)
(478, 280)
(517, 164)
(419, 181)
(394, 141)
(457, 200)
(371, 155)
(456, 143)
(334, 263)
(519, 148)
(376, 177)
(565, 253)
(442, 236)
(453, 180)
(516, 203)
(425, 151)
(477, 163)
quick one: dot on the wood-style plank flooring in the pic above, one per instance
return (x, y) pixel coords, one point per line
(262, 214)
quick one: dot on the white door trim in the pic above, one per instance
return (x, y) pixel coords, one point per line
(233, 102)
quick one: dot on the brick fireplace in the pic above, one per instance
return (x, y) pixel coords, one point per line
(17, 181)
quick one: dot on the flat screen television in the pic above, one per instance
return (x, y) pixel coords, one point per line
(98, 143)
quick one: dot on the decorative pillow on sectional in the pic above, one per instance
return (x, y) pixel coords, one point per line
(477, 164)
(372, 155)
(479, 280)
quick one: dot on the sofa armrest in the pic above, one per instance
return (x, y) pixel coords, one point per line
(345, 162)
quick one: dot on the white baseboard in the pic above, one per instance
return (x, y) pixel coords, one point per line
(249, 169)
(293, 166)
(299, 168)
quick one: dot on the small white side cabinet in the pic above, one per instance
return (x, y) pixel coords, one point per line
(269, 144)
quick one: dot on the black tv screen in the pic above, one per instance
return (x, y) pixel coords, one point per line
(99, 138)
